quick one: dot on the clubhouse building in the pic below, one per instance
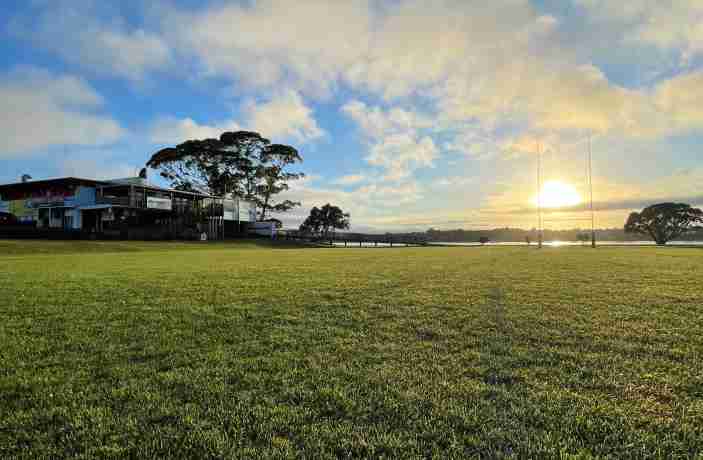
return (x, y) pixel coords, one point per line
(129, 208)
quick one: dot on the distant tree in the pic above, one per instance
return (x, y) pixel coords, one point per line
(313, 223)
(333, 218)
(665, 221)
(26, 177)
(484, 240)
(322, 220)
(242, 163)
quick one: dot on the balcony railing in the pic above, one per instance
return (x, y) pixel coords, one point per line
(205, 208)
(113, 200)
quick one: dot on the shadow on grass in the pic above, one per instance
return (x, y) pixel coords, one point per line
(51, 247)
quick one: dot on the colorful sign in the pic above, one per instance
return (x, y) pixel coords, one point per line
(44, 195)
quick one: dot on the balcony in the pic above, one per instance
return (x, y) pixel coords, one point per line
(113, 200)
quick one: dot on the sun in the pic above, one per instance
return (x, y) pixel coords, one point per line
(557, 194)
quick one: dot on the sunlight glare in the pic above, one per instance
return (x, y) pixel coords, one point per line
(557, 194)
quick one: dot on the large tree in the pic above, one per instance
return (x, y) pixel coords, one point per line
(216, 166)
(665, 221)
(322, 220)
(274, 175)
(242, 163)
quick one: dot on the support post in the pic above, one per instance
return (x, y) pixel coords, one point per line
(590, 185)
(540, 235)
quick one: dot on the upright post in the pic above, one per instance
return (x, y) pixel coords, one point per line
(539, 196)
(590, 185)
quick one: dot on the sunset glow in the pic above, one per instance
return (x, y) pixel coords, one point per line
(557, 194)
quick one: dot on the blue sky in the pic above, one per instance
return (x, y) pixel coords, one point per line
(409, 114)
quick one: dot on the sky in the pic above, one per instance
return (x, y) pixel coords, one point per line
(409, 114)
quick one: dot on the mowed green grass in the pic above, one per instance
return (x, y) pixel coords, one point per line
(241, 350)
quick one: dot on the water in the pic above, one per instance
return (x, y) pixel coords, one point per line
(553, 244)
(365, 245)
(574, 243)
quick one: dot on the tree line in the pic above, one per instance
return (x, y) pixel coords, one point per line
(245, 164)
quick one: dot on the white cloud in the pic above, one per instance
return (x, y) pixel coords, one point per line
(681, 98)
(397, 144)
(284, 116)
(468, 63)
(41, 109)
(401, 154)
(170, 130)
(390, 196)
(473, 142)
(268, 43)
(456, 181)
(87, 166)
(378, 123)
(281, 118)
(351, 179)
(394, 49)
(417, 44)
(673, 26)
(106, 46)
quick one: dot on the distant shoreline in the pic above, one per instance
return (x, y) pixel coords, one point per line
(557, 243)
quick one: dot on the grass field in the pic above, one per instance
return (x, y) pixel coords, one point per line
(240, 350)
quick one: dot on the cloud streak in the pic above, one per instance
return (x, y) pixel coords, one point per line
(41, 109)
(88, 34)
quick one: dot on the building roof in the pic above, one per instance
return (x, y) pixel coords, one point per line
(156, 188)
(70, 180)
(52, 181)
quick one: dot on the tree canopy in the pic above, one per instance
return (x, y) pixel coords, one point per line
(665, 221)
(322, 220)
(242, 163)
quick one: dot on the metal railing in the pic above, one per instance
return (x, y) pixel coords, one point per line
(113, 200)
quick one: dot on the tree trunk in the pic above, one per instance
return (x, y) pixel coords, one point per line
(265, 206)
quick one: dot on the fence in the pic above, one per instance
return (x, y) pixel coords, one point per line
(353, 239)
